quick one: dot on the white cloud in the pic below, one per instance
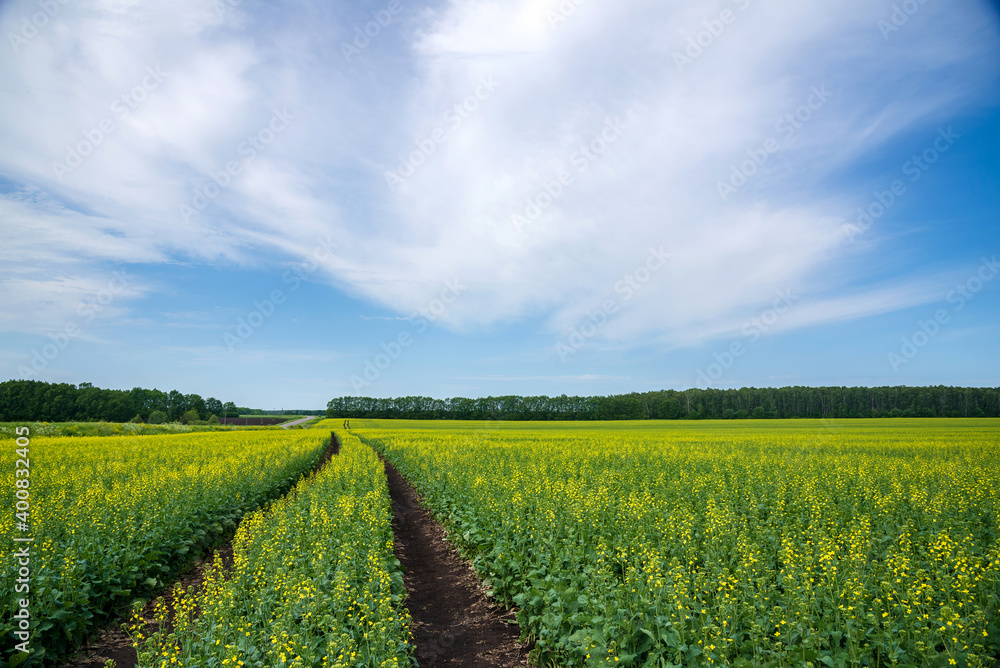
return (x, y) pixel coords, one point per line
(654, 185)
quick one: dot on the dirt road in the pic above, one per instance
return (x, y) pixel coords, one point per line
(292, 424)
(454, 623)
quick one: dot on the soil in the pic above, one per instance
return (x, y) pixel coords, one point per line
(454, 621)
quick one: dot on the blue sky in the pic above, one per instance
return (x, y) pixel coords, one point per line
(278, 203)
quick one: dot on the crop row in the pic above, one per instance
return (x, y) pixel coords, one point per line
(113, 519)
(314, 583)
(767, 547)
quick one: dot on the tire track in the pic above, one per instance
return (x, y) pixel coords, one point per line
(454, 622)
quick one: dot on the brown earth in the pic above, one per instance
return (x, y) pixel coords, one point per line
(454, 622)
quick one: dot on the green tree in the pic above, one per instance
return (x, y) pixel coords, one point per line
(157, 417)
(177, 404)
(213, 406)
(194, 402)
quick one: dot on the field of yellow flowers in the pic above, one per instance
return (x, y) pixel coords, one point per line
(800, 543)
(314, 583)
(114, 519)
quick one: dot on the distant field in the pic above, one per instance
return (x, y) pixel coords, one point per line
(7, 429)
(286, 416)
(743, 543)
(947, 427)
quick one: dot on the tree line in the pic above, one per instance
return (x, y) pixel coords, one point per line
(32, 400)
(692, 404)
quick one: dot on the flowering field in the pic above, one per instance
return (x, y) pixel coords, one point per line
(314, 583)
(115, 518)
(866, 543)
